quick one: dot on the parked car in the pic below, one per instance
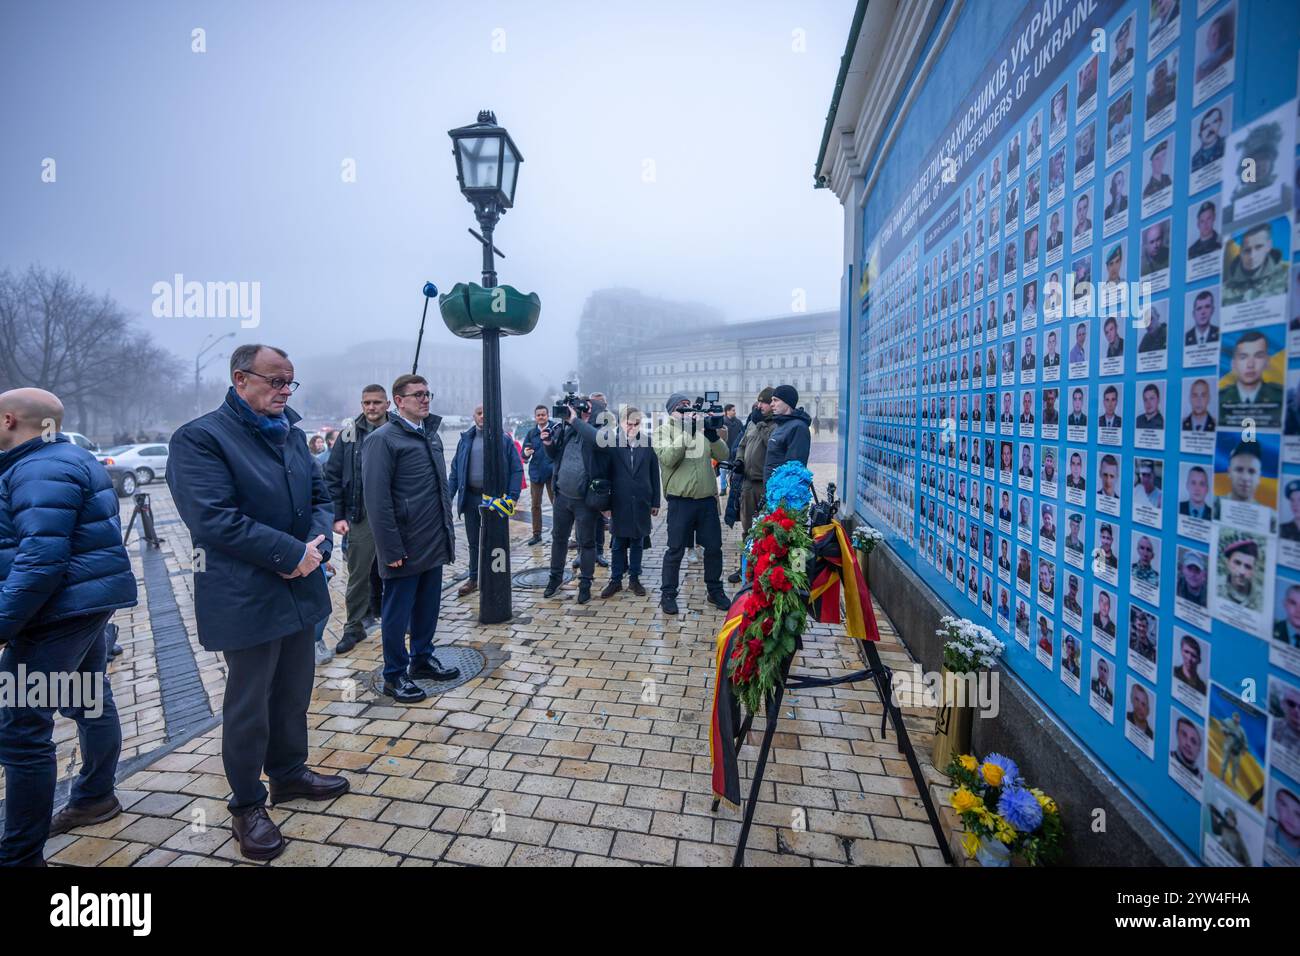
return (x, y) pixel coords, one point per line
(79, 439)
(148, 461)
(124, 482)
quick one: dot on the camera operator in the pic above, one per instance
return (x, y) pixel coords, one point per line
(791, 438)
(684, 446)
(571, 445)
(749, 463)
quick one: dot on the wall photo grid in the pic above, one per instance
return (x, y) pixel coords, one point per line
(1078, 419)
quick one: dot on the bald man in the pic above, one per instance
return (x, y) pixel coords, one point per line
(63, 571)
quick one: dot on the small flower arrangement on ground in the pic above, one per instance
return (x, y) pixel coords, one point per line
(865, 538)
(969, 646)
(1002, 816)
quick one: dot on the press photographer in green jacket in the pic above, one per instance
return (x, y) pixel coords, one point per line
(686, 450)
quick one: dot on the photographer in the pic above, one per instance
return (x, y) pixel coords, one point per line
(684, 447)
(571, 446)
(749, 462)
(791, 438)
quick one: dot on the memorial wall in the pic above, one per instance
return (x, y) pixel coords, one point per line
(1078, 422)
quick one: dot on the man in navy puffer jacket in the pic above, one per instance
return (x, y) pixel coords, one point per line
(63, 571)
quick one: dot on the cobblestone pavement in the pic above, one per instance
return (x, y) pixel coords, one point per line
(552, 756)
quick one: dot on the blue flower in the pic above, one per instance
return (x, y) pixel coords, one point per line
(1020, 808)
(1010, 772)
(791, 485)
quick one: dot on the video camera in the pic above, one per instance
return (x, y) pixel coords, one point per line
(710, 409)
(570, 399)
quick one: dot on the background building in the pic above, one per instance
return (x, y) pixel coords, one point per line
(735, 359)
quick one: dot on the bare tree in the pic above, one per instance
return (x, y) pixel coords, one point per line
(57, 335)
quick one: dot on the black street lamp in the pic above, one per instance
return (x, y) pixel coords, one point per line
(487, 167)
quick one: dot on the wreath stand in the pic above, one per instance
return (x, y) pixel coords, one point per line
(880, 675)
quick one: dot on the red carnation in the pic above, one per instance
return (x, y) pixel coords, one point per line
(778, 579)
(786, 523)
(766, 626)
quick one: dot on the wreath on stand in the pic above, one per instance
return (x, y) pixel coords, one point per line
(774, 612)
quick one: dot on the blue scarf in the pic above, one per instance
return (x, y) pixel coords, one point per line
(274, 428)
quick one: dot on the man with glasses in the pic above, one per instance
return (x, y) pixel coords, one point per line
(408, 498)
(260, 518)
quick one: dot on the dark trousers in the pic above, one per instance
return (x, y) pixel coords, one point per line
(572, 514)
(410, 604)
(473, 526)
(27, 750)
(693, 520)
(537, 488)
(619, 563)
(361, 558)
(264, 714)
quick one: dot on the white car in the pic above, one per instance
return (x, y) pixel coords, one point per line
(148, 461)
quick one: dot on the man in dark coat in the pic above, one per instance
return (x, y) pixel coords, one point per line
(63, 571)
(633, 470)
(468, 467)
(541, 473)
(791, 439)
(574, 454)
(260, 520)
(343, 483)
(408, 498)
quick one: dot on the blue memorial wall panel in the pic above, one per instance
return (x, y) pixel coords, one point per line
(1075, 308)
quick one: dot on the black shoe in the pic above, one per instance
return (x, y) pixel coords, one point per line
(115, 651)
(349, 640)
(535, 539)
(404, 691)
(576, 564)
(612, 588)
(584, 593)
(635, 587)
(733, 577)
(551, 587)
(669, 604)
(602, 560)
(86, 815)
(432, 670)
(258, 837)
(720, 601)
(309, 785)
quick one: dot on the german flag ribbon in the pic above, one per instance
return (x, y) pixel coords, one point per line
(837, 570)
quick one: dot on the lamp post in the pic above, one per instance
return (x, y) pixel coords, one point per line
(487, 168)
(200, 365)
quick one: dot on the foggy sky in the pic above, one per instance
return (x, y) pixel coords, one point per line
(226, 165)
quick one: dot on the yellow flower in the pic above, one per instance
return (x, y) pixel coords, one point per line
(983, 814)
(964, 800)
(992, 774)
(1004, 831)
(968, 762)
(970, 843)
(1044, 801)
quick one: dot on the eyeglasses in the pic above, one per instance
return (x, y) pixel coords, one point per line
(418, 396)
(275, 383)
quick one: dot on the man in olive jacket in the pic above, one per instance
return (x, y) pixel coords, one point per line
(259, 516)
(408, 499)
(684, 448)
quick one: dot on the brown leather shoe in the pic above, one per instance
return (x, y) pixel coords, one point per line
(259, 838)
(309, 786)
(86, 815)
(469, 587)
